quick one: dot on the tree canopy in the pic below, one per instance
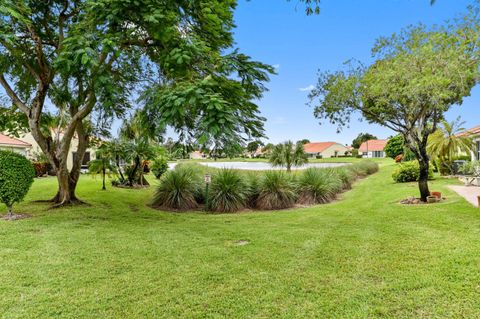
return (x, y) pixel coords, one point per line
(362, 137)
(90, 59)
(418, 74)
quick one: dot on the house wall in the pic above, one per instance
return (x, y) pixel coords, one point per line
(476, 152)
(333, 151)
(20, 150)
(374, 154)
(37, 150)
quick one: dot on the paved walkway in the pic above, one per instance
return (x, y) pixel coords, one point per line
(470, 193)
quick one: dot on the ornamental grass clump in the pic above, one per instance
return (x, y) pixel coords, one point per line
(16, 177)
(179, 189)
(253, 182)
(346, 176)
(228, 191)
(276, 191)
(318, 186)
(363, 168)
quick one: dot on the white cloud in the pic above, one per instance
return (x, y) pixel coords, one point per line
(308, 88)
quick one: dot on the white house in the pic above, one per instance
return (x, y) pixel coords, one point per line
(373, 148)
(474, 132)
(325, 149)
(16, 145)
(35, 149)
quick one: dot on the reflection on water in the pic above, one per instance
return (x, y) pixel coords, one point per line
(260, 166)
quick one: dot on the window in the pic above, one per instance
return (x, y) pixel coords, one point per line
(86, 158)
(377, 154)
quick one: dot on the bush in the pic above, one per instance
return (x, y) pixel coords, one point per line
(253, 182)
(41, 168)
(409, 172)
(228, 191)
(394, 146)
(363, 168)
(346, 176)
(159, 166)
(178, 189)
(318, 185)
(16, 177)
(470, 168)
(276, 191)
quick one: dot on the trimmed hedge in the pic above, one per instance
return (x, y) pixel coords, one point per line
(409, 172)
(16, 177)
(234, 190)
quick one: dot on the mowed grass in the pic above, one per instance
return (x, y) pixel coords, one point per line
(364, 256)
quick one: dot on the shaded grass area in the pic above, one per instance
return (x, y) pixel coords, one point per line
(365, 256)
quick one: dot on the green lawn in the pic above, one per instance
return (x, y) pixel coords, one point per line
(364, 256)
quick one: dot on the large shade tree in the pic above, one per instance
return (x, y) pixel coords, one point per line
(89, 58)
(362, 137)
(418, 74)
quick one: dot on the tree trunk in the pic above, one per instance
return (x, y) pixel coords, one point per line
(133, 174)
(119, 167)
(67, 183)
(103, 173)
(423, 177)
(9, 211)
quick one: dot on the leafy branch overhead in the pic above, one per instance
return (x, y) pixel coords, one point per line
(92, 59)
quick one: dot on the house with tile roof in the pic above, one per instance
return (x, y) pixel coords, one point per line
(13, 144)
(35, 150)
(474, 133)
(325, 149)
(373, 149)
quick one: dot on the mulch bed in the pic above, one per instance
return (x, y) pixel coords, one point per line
(417, 201)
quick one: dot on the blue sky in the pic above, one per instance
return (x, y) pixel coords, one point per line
(278, 32)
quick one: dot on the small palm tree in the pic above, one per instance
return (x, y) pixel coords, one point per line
(446, 143)
(288, 154)
(102, 163)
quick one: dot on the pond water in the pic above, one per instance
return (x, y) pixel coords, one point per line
(261, 166)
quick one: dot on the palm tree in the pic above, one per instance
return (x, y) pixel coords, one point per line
(102, 163)
(447, 143)
(288, 154)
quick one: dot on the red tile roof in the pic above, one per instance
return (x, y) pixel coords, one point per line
(373, 145)
(12, 142)
(317, 147)
(473, 131)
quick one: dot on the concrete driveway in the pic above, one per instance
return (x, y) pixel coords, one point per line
(470, 193)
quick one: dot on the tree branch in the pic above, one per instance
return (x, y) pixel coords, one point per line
(13, 96)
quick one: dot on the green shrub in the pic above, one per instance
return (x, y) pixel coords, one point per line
(346, 176)
(228, 191)
(16, 177)
(395, 146)
(276, 191)
(363, 168)
(409, 172)
(470, 168)
(41, 168)
(318, 185)
(159, 166)
(178, 189)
